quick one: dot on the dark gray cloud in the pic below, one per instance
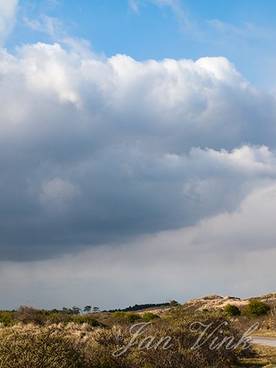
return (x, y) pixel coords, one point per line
(220, 254)
(100, 151)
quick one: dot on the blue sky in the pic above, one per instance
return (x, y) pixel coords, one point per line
(243, 31)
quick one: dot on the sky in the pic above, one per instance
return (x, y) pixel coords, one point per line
(242, 30)
(137, 151)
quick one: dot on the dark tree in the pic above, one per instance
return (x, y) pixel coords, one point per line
(87, 308)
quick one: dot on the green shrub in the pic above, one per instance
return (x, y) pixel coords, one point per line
(126, 317)
(174, 303)
(6, 318)
(86, 319)
(58, 317)
(148, 316)
(133, 317)
(118, 314)
(256, 308)
(232, 310)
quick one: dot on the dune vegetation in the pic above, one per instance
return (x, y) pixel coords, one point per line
(31, 338)
(207, 332)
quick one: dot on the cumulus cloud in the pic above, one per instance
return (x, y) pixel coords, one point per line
(110, 166)
(7, 17)
(101, 151)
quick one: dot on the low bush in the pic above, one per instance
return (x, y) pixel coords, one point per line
(256, 308)
(126, 317)
(7, 318)
(132, 317)
(81, 319)
(148, 316)
(232, 310)
(27, 315)
(166, 343)
(38, 347)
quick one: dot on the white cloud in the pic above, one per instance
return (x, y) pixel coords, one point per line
(7, 17)
(134, 5)
(175, 6)
(49, 25)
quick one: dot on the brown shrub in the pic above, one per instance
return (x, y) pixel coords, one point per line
(73, 345)
(34, 347)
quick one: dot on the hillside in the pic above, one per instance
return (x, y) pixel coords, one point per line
(213, 302)
(88, 340)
